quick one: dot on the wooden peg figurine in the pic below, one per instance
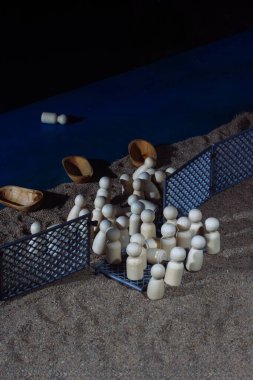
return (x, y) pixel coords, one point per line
(195, 216)
(170, 214)
(184, 235)
(212, 236)
(168, 239)
(175, 267)
(139, 239)
(109, 212)
(98, 245)
(122, 223)
(113, 246)
(156, 255)
(156, 288)
(195, 256)
(135, 217)
(148, 163)
(148, 228)
(134, 264)
(79, 204)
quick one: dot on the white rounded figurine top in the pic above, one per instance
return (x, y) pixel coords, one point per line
(198, 242)
(150, 162)
(195, 215)
(35, 227)
(102, 193)
(79, 200)
(99, 202)
(83, 212)
(170, 170)
(157, 271)
(131, 199)
(124, 177)
(183, 223)
(105, 182)
(177, 254)
(113, 234)
(212, 224)
(147, 216)
(170, 212)
(168, 230)
(137, 238)
(160, 176)
(122, 221)
(108, 210)
(104, 225)
(137, 184)
(144, 176)
(137, 207)
(62, 119)
(134, 249)
(150, 171)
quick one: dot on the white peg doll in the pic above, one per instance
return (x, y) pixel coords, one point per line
(109, 212)
(79, 204)
(195, 216)
(148, 205)
(139, 239)
(195, 256)
(131, 199)
(175, 267)
(151, 192)
(34, 243)
(184, 235)
(35, 227)
(170, 214)
(212, 236)
(169, 171)
(113, 246)
(53, 118)
(134, 263)
(98, 245)
(156, 288)
(135, 217)
(97, 215)
(83, 212)
(168, 239)
(103, 193)
(138, 188)
(156, 255)
(126, 185)
(122, 223)
(159, 178)
(148, 163)
(151, 172)
(105, 183)
(148, 228)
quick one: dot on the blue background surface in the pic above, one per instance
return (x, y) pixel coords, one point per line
(182, 96)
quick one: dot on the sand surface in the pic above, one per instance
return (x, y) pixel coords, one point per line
(91, 327)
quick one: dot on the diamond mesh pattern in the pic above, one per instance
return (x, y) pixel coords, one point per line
(118, 273)
(189, 186)
(45, 257)
(233, 161)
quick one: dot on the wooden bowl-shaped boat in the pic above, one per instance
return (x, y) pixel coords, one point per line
(78, 168)
(20, 198)
(139, 150)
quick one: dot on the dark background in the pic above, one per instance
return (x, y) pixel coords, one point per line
(47, 49)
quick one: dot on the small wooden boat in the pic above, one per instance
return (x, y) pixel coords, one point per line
(20, 198)
(139, 150)
(77, 168)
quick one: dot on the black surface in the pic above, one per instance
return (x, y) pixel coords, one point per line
(47, 49)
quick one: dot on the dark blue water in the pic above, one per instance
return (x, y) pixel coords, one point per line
(186, 95)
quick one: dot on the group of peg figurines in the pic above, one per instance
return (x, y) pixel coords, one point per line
(131, 228)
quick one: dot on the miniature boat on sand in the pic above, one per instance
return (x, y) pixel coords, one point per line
(20, 198)
(139, 149)
(77, 168)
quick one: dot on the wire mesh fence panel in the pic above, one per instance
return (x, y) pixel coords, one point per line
(232, 161)
(189, 187)
(42, 258)
(119, 273)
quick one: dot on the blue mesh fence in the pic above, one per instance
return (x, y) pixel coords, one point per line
(45, 257)
(232, 161)
(189, 186)
(217, 168)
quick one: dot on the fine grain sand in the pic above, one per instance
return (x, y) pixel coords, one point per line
(90, 327)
